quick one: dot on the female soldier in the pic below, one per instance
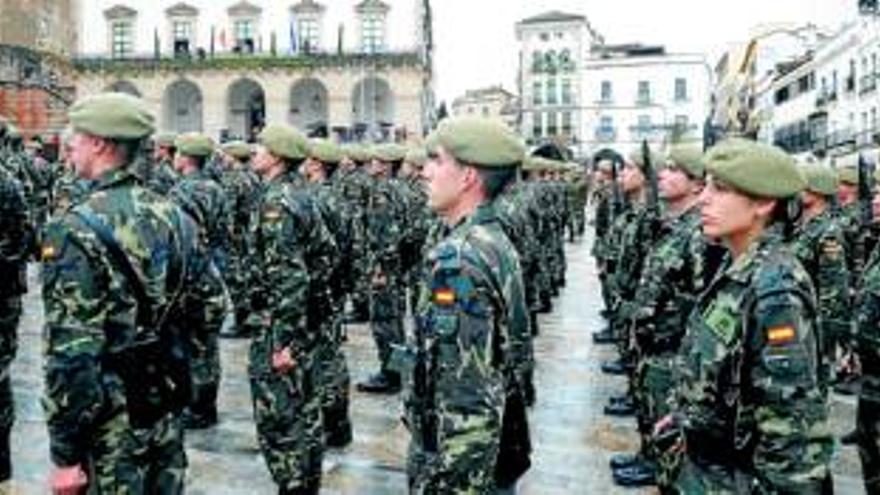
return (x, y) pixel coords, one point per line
(749, 407)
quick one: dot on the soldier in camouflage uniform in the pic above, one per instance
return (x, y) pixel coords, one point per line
(418, 219)
(820, 247)
(353, 185)
(206, 203)
(318, 169)
(13, 255)
(384, 234)
(117, 315)
(749, 405)
(672, 277)
(242, 187)
(471, 301)
(163, 177)
(284, 366)
(867, 343)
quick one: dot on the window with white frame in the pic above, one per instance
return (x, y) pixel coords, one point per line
(121, 38)
(309, 33)
(552, 129)
(243, 31)
(566, 92)
(551, 92)
(372, 32)
(537, 127)
(567, 128)
(537, 98)
(606, 92)
(681, 92)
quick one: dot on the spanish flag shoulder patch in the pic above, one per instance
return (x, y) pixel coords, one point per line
(444, 296)
(780, 335)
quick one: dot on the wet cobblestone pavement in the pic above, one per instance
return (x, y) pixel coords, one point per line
(572, 439)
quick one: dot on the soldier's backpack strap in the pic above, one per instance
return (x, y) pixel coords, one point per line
(120, 261)
(154, 368)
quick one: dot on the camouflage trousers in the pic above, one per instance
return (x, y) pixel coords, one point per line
(10, 314)
(205, 371)
(335, 382)
(653, 382)
(138, 462)
(287, 411)
(476, 475)
(868, 429)
(704, 478)
(386, 321)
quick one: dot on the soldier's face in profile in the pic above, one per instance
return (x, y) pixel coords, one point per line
(726, 212)
(632, 179)
(444, 180)
(83, 149)
(847, 193)
(673, 183)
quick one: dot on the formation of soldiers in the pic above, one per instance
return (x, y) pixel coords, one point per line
(148, 243)
(740, 289)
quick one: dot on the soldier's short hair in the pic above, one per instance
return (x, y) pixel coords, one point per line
(495, 179)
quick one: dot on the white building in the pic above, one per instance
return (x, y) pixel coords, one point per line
(579, 91)
(636, 92)
(351, 68)
(494, 101)
(552, 48)
(827, 103)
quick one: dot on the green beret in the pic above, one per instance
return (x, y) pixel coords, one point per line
(356, 152)
(388, 152)
(531, 164)
(165, 139)
(112, 115)
(756, 169)
(821, 179)
(417, 156)
(325, 151)
(237, 149)
(478, 141)
(284, 141)
(194, 144)
(688, 158)
(848, 175)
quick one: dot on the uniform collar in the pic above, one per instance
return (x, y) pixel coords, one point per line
(114, 177)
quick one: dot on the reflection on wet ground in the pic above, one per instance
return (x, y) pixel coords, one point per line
(572, 439)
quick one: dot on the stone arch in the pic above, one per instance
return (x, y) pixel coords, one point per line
(309, 106)
(246, 109)
(182, 107)
(123, 86)
(372, 105)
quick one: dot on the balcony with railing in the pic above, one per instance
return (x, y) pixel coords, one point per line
(245, 61)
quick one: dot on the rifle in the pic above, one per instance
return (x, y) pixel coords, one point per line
(652, 207)
(866, 214)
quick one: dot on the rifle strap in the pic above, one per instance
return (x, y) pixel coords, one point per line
(121, 262)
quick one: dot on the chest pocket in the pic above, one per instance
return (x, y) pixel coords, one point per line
(714, 356)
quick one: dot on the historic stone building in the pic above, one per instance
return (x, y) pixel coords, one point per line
(350, 69)
(494, 101)
(36, 80)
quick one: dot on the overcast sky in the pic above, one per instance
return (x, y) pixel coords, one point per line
(476, 45)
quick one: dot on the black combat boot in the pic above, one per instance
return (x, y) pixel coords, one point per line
(337, 426)
(381, 383)
(640, 473)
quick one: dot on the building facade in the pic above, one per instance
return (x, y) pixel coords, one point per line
(634, 93)
(579, 91)
(826, 102)
(348, 69)
(494, 101)
(552, 48)
(36, 80)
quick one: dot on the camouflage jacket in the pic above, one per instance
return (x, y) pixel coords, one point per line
(471, 308)
(820, 247)
(866, 339)
(384, 231)
(92, 313)
(749, 386)
(672, 277)
(242, 187)
(14, 236)
(205, 201)
(70, 190)
(163, 178)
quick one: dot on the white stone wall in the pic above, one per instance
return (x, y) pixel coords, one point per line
(214, 85)
(402, 28)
